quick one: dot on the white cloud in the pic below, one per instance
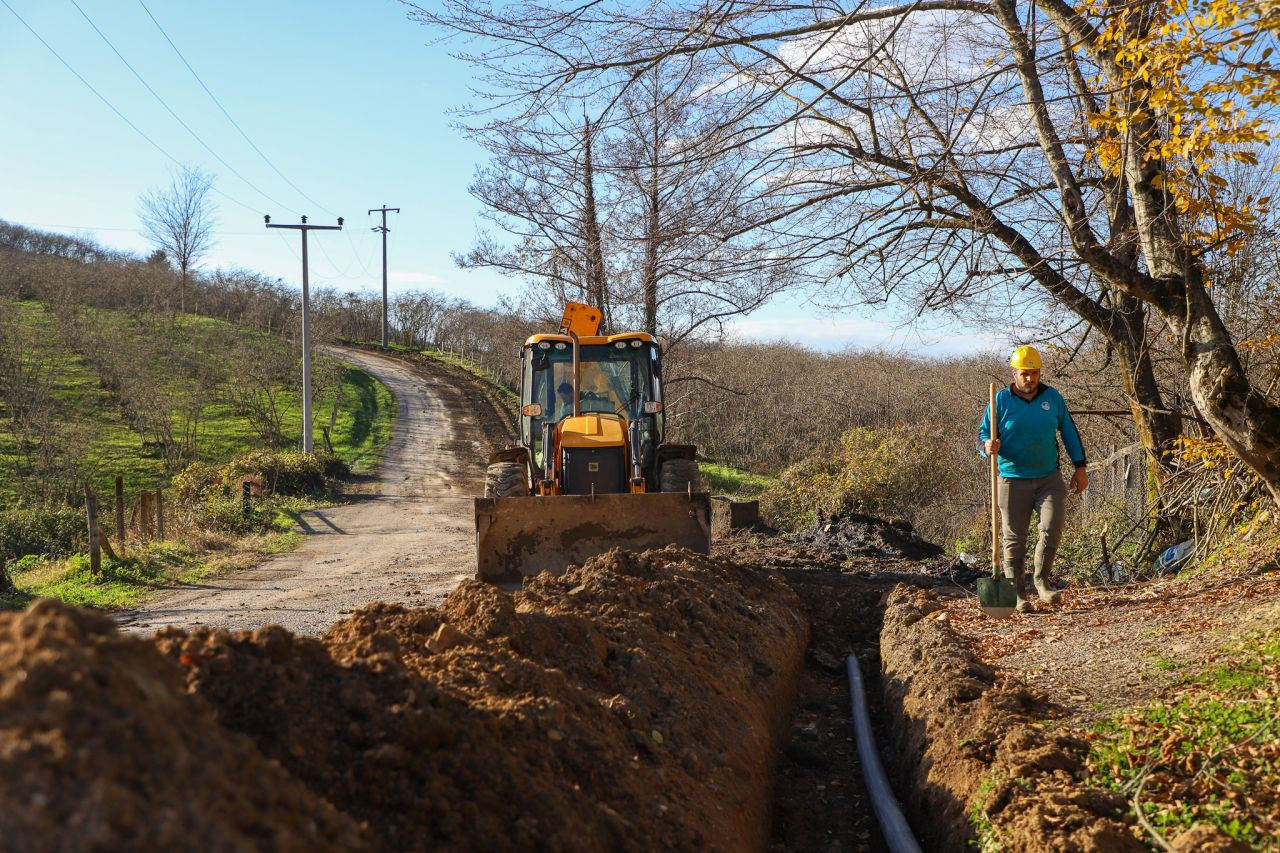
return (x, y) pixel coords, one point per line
(833, 334)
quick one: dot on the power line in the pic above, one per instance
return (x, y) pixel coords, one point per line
(234, 123)
(26, 224)
(287, 244)
(111, 106)
(345, 272)
(170, 110)
(364, 265)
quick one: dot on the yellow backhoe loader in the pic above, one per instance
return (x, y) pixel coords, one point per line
(591, 470)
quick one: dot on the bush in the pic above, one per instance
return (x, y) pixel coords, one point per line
(226, 513)
(890, 473)
(196, 483)
(51, 532)
(334, 468)
(213, 497)
(286, 472)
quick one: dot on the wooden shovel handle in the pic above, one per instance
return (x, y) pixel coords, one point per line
(995, 493)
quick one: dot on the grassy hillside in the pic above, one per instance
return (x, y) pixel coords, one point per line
(94, 394)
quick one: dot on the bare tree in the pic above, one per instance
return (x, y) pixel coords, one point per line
(179, 220)
(624, 202)
(943, 148)
(542, 188)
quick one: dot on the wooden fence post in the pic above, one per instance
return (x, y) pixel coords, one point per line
(159, 513)
(246, 492)
(91, 509)
(145, 515)
(6, 582)
(120, 528)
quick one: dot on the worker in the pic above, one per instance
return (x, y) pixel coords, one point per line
(564, 400)
(1030, 416)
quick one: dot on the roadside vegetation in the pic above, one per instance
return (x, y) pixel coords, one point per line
(734, 482)
(161, 401)
(1209, 754)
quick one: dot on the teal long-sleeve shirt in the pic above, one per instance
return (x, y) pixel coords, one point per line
(1028, 433)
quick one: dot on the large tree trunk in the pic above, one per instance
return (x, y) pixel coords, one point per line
(1157, 427)
(1240, 415)
(652, 240)
(597, 287)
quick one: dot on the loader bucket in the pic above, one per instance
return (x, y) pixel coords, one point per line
(520, 537)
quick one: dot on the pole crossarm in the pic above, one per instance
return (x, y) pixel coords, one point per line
(308, 444)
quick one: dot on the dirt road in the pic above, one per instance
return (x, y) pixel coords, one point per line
(410, 541)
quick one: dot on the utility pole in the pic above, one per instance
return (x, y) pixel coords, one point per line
(307, 444)
(384, 229)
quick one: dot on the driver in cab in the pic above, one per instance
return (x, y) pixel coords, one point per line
(564, 401)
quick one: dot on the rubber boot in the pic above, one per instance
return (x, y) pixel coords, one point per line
(1020, 588)
(1048, 593)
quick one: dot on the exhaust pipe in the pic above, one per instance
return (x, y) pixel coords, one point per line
(577, 377)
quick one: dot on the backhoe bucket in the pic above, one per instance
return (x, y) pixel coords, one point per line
(521, 537)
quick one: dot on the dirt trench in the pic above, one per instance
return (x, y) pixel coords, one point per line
(663, 699)
(633, 702)
(975, 764)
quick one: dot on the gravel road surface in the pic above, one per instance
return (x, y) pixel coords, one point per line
(409, 541)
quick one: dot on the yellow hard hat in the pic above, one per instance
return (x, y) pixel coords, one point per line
(1025, 358)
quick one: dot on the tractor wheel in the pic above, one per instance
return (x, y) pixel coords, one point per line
(506, 480)
(678, 475)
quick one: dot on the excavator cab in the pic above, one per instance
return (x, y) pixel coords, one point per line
(592, 469)
(608, 443)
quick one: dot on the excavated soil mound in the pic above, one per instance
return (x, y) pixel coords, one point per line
(972, 763)
(102, 750)
(634, 702)
(856, 535)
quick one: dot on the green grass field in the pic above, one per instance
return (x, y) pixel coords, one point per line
(194, 363)
(472, 368)
(734, 482)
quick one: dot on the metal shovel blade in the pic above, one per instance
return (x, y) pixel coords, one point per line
(997, 597)
(521, 536)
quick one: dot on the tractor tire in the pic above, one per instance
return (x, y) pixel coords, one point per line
(506, 480)
(678, 475)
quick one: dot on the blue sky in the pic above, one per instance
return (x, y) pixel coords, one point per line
(349, 100)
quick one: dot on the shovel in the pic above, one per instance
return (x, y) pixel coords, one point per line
(996, 594)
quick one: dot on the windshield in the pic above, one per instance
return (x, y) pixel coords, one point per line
(616, 379)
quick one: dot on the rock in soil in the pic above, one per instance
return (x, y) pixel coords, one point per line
(104, 750)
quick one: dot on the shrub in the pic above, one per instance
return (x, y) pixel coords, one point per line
(50, 532)
(286, 472)
(197, 482)
(334, 467)
(884, 472)
(227, 513)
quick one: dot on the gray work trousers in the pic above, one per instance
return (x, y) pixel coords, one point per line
(1047, 496)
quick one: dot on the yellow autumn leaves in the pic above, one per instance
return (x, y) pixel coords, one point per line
(1194, 79)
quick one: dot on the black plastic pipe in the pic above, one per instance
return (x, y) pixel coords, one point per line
(896, 830)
